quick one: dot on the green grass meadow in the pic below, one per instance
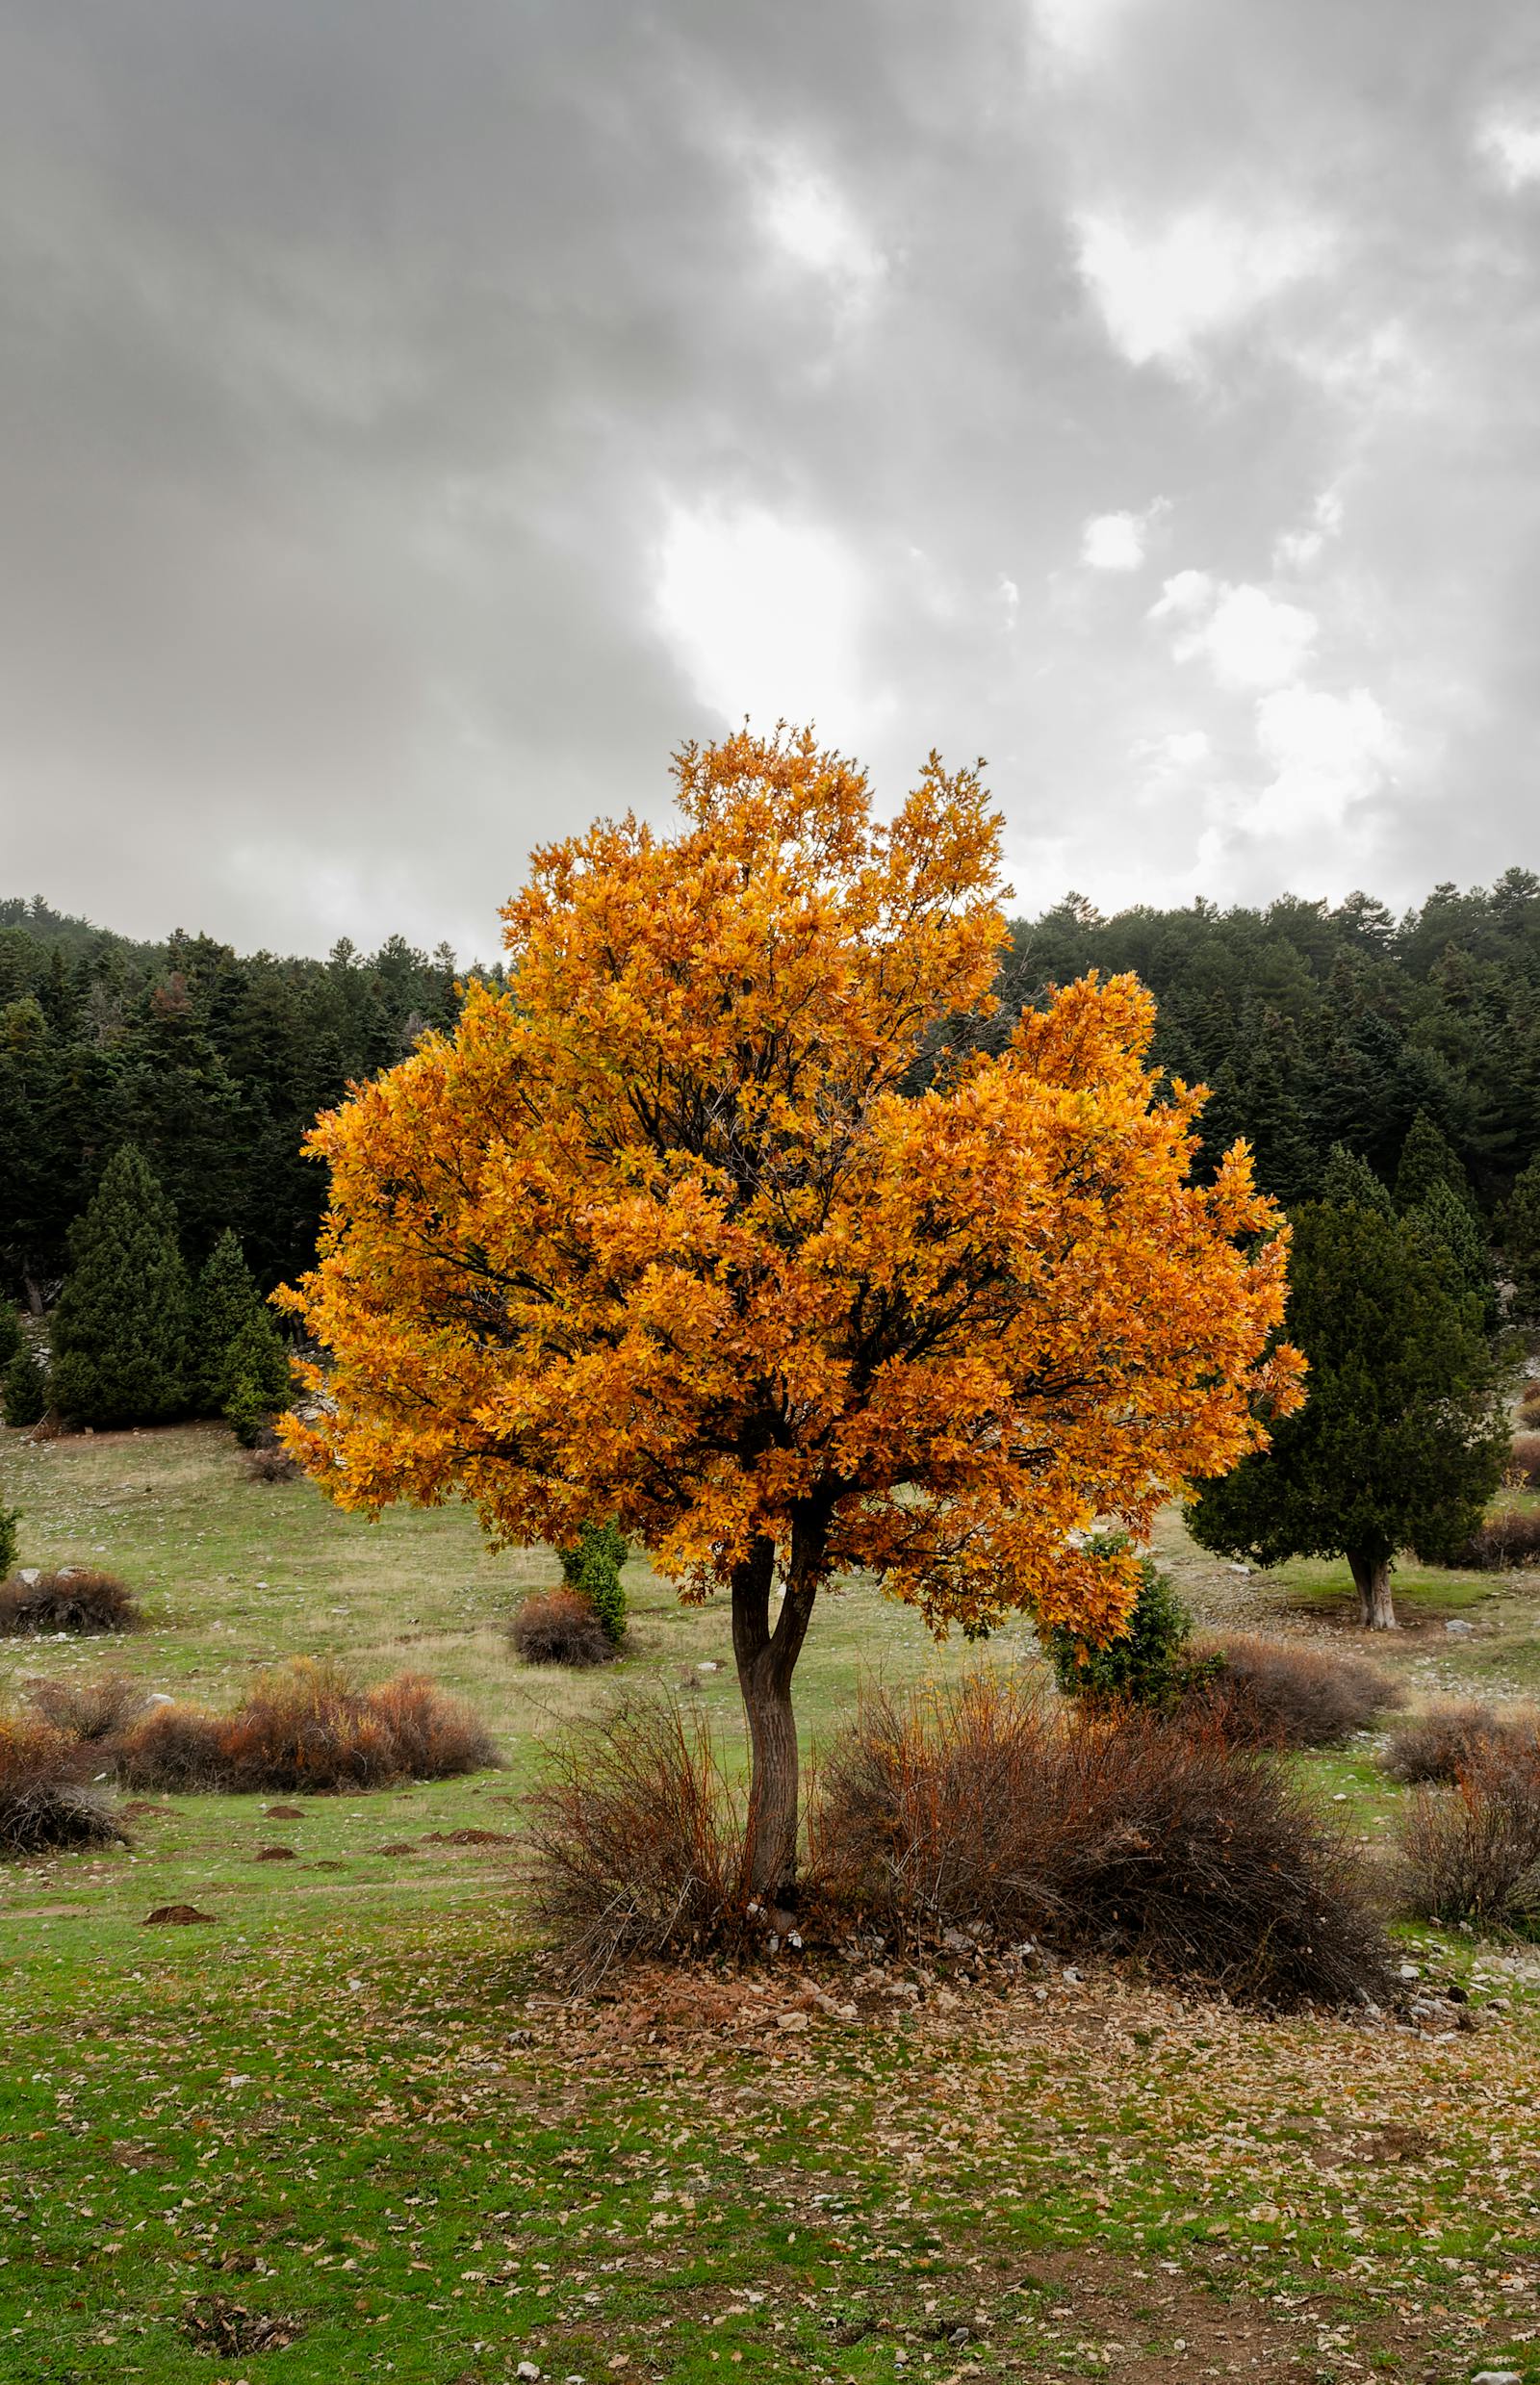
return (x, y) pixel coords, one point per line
(353, 2102)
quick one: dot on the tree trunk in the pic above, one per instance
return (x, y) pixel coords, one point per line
(766, 1660)
(1372, 1579)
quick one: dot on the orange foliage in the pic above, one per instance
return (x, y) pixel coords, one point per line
(659, 1232)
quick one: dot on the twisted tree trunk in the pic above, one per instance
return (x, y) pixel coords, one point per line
(1370, 1571)
(766, 1659)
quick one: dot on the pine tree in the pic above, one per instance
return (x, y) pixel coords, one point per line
(1402, 1437)
(256, 1381)
(1349, 1182)
(9, 1333)
(24, 1388)
(1520, 1244)
(10, 1518)
(1444, 1216)
(235, 1340)
(1428, 1158)
(120, 1329)
(591, 1566)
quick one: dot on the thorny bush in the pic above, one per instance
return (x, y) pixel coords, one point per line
(1471, 1853)
(1447, 1742)
(982, 1804)
(559, 1626)
(46, 1799)
(307, 1726)
(1260, 1692)
(637, 1842)
(90, 1711)
(76, 1599)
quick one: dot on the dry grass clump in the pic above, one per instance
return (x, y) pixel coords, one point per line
(1287, 1693)
(46, 1798)
(1529, 1403)
(307, 1726)
(90, 1711)
(1471, 1853)
(559, 1626)
(1526, 1459)
(1445, 1742)
(1507, 1538)
(77, 1599)
(981, 1804)
(638, 1842)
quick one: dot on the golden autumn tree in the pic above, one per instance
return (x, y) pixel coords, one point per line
(661, 1233)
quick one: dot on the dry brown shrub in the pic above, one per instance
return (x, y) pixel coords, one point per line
(46, 1799)
(983, 1805)
(308, 1727)
(90, 1711)
(1471, 1853)
(1448, 1741)
(1529, 1403)
(638, 1842)
(1286, 1693)
(557, 1626)
(270, 1462)
(1526, 1459)
(1507, 1538)
(75, 1599)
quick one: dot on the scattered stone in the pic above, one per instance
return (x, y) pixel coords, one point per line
(526, 2368)
(1409, 1970)
(792, 2021)
(1497, 2377)
(709, 1664)
(1458, 1629)
(179, 1917)
(276, 1854)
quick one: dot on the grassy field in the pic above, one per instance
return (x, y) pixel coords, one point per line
(353, 2105)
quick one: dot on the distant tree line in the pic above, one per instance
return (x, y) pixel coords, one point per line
(1411, 1044)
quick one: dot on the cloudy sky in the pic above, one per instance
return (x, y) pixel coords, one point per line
(414, 419)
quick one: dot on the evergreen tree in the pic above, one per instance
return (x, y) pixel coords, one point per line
(1445, 1217)
(9, 1333)
(233, 1337)
(120, 1330)
(1520, 1244)
(591, 1566)
(1349, 1182)
(256, 1381)
(10, 1518)
(1402, 1437)
(24, 1388)
(1428, 1158)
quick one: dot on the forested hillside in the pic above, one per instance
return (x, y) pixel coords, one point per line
(1312, 1024)
(214, 1064)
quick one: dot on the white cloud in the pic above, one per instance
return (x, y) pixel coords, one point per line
(764, 616)
(1326, 753)
(1295, 550)
(1113, 541)
(1164, 292)
(1510, 145)
(1011, 599)
(1249, 638)
(1079, 32)
(814, 227)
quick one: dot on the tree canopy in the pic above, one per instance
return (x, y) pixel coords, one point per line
(661, 1233)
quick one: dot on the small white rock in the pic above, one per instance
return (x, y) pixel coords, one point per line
(709, 1664)
(1409, 1970)
(526, 2368)
(792, 2020)
(1459, 1629)
(1497, 2377)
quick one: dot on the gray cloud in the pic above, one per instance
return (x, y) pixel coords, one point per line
(413, 421)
